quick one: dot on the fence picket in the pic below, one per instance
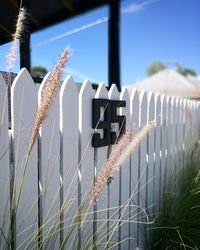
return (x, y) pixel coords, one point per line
(134, 177)
(4, 163)
(23, 95)
(157, 159)
(100, 157)
(177, 137)
(86, 161)
(163, 142)
(168, 136)
(184, 132)
(125, 178)
(173, 142)
(180, 139)
(142, 166)
(113, 186)
(69, 161)
(49, 173)
(150, 151)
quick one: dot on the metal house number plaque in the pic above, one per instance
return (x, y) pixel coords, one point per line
(106, 109)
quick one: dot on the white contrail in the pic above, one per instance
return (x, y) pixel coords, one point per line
(136, 7)
(79, 74)
(132, 8)
(73, 31)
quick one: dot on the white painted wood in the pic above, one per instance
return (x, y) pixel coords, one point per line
(125, 180)
(86, 159)
(4, 164)
(192, 126)
(157, 187)
(190, 136)
(23, 109)
(173, 141)
(142, 166)
(184, 132)
(49, 172)
(198, 115)
(195, 121)
(114, 186)
(143, 149)
(100, 155)
(163, 142)
(187, 127)
(177, 138)
(168, 138)
(194, 130)
(150, 181)
(69, 160)
(180, 139)
(134, 182)
(150, 150)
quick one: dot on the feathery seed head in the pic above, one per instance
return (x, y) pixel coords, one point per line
(48, 95)
(20, 25)
(134, 143)
(107, 169)
(120, 153)
(20, 28)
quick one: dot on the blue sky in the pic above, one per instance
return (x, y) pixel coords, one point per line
(167, 30)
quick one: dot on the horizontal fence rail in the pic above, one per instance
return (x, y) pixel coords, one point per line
(52, 184)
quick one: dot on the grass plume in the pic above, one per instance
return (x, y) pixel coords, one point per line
(48, 95)
(119, 154)
(134, 143)
(19, 30)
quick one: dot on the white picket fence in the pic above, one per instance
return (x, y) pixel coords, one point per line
(63, 165)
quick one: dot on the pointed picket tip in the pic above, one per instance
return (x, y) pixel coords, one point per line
(68, 85)
(151, 106)
(182, 100)
(157, 109)
(113, 92)
(150, 97)
(157, 99)
(185, 102)
(173, 100)
(101, 91)
(164, 109)
(177, 109)
(169, 107)
(87, 86)
(163, 98)
(23, 77)
(68, 80)
(134, 95)
(124, 94)
(177, 100)
(143, 96)
(168, 99)
(43, 83)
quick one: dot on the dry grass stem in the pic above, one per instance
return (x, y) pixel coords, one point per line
(136, 140)
(120, 153)
(107, 169)
(48, 94)
(20, 28)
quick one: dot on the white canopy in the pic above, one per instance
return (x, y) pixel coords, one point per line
(168, 82)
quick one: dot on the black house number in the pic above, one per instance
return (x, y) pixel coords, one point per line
(110, 116)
